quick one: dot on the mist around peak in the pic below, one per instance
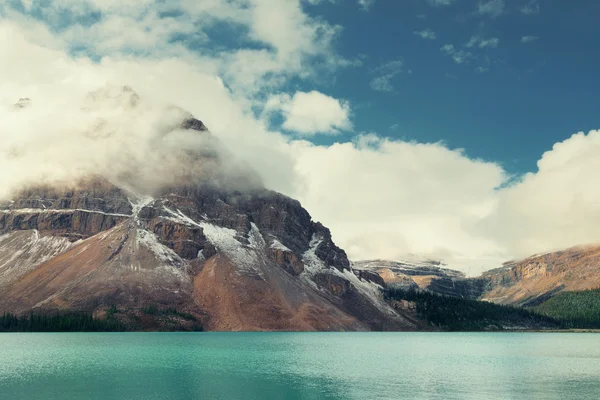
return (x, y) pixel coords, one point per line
(113, 133)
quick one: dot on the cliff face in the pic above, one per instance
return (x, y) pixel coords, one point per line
(76, 213)
(427, 275)
(524, 283)
(535, 279)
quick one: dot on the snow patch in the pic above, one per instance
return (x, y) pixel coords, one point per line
(244, 257)
(180, 217)
(163, 254)
(22, 251)
(277, 245)
(369, 289)
(256, 239)
(137, 204)
(55, 211)
(313, 265)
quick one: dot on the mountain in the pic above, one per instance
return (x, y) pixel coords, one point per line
(536, 279)
(428, 275)
(528, 283)
(229, 257)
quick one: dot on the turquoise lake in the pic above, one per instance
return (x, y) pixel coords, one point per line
(300, 366)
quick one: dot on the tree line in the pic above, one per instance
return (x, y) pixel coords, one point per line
(67, 322)
(576, 309)
(457, 314)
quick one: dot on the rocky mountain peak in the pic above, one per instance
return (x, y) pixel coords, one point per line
(179, 224)
(194, 124)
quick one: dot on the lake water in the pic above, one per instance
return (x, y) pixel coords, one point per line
(300, 366)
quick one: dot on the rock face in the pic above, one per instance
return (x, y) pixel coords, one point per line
(235, 260)
(532, 281)
(428, 275)
(524, 283)
(78, 213)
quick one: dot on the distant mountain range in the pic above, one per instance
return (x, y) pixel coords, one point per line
(542, 283)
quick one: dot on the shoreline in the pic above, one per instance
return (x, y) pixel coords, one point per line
(554, 330)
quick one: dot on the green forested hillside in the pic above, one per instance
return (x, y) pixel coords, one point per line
(456, 314)
(576, 309)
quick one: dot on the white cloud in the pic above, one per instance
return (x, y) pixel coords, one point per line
(402, 198)
(491, 8)
(366, 4)
(440, 3)
(382, 84)
(385, 73)
(557, 206)
(531, 8)
(528, 39)
(459, 56)
(284, 39)
(399, 197)
(311, 113)
(480, 42)
(426, 34)
(448, 49)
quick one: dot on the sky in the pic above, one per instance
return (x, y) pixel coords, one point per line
(458, 130)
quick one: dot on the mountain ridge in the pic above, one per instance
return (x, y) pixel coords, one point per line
(527, 282)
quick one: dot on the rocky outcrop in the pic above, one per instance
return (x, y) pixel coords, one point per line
(276, 215)
(92, 194)
(76, 212)
(72, 224)
(370, 276)
(286, 260)
(188, 242)
(194, 124)
(333, 284)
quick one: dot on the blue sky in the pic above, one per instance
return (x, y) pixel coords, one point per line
(531, 95)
